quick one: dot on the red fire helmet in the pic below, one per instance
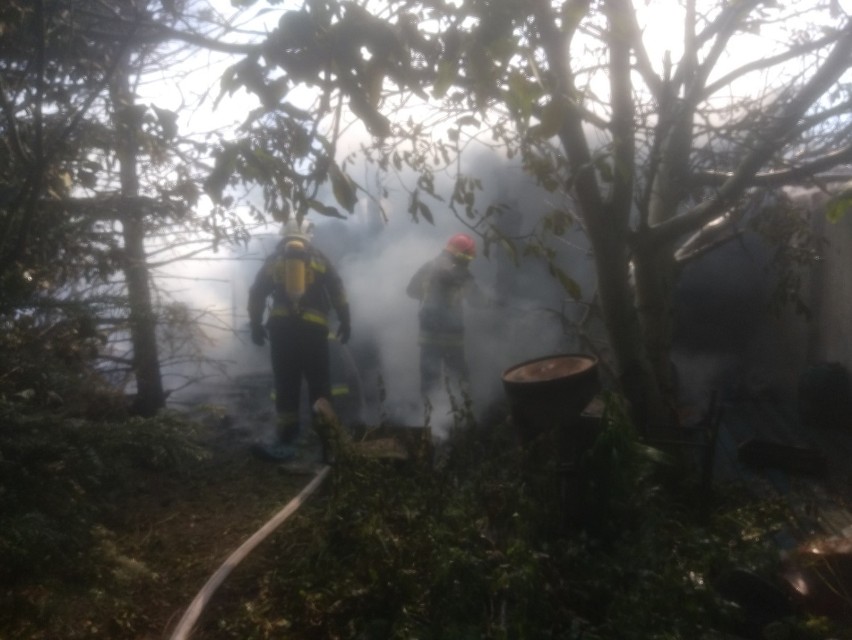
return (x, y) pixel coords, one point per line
(462, 245)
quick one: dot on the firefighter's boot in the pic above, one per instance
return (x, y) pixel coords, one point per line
(286, 430)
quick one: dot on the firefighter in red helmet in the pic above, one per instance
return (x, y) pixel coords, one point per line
(442, 285)
(304, 287)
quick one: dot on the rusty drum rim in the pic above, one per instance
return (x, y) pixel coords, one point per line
(551, 367)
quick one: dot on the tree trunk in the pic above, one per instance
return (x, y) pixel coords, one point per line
(636, 371)
(655, 277)
(143, 320)
(654, 265)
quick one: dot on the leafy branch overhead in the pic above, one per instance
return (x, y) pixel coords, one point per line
(341, 46)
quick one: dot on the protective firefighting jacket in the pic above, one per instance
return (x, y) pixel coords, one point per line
(442, 285)
(322, 288)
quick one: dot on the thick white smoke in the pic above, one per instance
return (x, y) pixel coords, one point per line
(377, 257)
(377, 260)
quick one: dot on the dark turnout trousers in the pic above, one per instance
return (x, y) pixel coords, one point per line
(298, 348)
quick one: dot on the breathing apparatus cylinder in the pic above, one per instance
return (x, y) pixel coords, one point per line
(295, 269)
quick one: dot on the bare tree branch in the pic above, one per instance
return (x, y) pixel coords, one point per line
(771, 141)
(794, 175)
(767, 63)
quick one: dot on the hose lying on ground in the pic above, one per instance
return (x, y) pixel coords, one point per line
(190, 616)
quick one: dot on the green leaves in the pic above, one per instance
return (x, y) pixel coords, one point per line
(292, 164)
(325, 210)
(168, 122)
(835, 212)
(551, 119)
(417, 208)
(224, 165)
(447, 72)
(343, 188)
(839, 206)
(376, 123)
(496, 236)
(568, 283)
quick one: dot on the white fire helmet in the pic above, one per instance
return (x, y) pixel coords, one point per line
(297, 229)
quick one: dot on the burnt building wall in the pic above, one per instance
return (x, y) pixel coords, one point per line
(731, 336)
(830, 338)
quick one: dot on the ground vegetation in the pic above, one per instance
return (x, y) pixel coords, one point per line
(111, 525)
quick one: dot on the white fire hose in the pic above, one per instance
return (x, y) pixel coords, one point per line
(191, 615)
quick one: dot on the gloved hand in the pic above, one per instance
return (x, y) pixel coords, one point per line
(258, 334)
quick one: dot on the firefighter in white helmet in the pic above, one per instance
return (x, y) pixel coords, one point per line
(304, 286)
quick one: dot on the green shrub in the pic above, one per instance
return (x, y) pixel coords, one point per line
(60, 477)
(469, 549)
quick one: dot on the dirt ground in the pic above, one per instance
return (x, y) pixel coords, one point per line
(168, 538)
(180, 530)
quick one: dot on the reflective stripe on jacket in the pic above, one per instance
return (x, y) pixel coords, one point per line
(308, 315)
